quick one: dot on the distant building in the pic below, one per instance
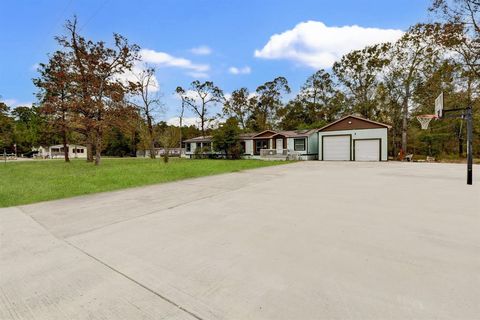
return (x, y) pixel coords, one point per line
(172, 152)
(57, 151)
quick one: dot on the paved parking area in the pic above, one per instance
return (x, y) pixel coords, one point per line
(309, 240)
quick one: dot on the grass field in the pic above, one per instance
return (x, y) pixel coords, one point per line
(33, 181)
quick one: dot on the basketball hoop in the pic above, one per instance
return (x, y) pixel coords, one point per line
(425, 119)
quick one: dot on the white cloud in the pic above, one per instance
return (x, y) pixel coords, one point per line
(198, 75)
(201, 50)
(163, 59)
(316, 45)
(244, 70)
(15, 103)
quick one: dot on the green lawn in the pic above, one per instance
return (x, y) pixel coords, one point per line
(40, 180)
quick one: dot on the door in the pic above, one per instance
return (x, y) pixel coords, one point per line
(279, 143)
(336, 148)
(367, 150)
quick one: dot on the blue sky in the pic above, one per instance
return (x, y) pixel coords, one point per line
(233, 39)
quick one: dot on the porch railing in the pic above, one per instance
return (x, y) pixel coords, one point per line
(279, 153)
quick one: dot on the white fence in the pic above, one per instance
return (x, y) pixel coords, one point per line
(8, 156)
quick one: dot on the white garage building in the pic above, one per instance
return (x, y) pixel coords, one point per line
(353, 138)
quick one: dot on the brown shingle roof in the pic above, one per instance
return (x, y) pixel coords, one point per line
(354, 117)
(251, 135)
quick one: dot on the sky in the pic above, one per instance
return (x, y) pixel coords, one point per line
(234, 43)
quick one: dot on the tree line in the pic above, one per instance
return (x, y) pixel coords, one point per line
(84, 95)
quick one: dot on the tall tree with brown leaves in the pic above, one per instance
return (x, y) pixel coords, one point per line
(97, 71)
(56, 95)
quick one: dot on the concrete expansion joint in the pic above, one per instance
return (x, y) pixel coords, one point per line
(159, 295)
(156, 293)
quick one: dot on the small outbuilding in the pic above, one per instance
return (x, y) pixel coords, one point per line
(57, 151)
(353, 138)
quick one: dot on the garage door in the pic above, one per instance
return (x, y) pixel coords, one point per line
(367, 150)
(336, 148)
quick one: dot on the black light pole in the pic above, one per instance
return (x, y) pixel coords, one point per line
(469, 119)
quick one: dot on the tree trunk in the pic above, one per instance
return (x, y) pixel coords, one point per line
(181, 120)
(152, 140)
(98, 147)
(202, 120)
(89, 150)
(165, 154)
(394, 149)
(405, 119)
(65, 146)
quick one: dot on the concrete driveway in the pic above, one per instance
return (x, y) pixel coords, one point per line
(309, 240)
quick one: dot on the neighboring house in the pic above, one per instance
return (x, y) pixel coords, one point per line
(57, 151)
(353, 138)
(172, 152)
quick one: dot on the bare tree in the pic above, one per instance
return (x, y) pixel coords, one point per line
(150, 102)
(169, 139)
(202, 96)
(181, 93)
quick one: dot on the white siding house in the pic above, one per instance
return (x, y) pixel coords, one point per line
(57, 151)
(299, 144)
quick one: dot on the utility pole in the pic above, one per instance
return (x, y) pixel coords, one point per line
(469, 119)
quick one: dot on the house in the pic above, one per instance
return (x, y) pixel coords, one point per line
(299, 144)
(57, 151)
(353, 138)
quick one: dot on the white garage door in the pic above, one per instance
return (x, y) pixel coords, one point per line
(367, 150)
(336, 148)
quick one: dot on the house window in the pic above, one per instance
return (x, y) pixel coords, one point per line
(260, 144)
(242, 147)
(207, 146)
(299, 144)
(188, 147)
